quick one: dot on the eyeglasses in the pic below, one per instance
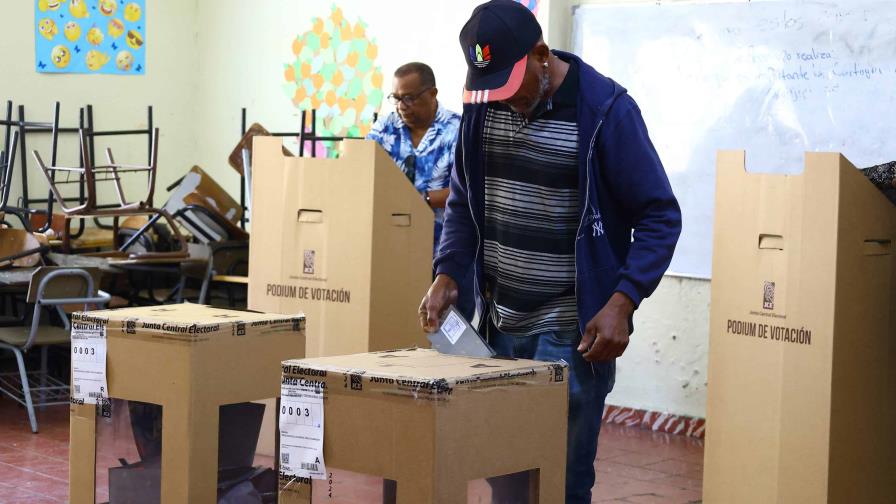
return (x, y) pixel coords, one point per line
(407, 99)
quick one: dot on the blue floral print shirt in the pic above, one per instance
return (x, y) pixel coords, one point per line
(432, 160)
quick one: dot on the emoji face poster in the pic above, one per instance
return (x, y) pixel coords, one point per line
(90, 36)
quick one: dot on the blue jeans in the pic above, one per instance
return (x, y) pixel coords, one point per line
(589, 384)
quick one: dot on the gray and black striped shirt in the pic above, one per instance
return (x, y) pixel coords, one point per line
(532, 214)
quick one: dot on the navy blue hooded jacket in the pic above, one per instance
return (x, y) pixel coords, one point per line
(630, 220)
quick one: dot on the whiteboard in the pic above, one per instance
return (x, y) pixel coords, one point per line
(774, 78)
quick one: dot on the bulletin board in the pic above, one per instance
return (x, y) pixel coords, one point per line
(773, 78)
(90, 36)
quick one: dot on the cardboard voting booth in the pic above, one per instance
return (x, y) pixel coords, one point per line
(181, 425)
(427, 421)
(347, 241)
(802, 381)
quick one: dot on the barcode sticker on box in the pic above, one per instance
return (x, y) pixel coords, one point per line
(302, 429)
(89, 363)
(453, 327)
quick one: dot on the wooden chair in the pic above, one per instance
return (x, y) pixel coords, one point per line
(21, 248)
(50, 287)
(21, 252)
(112, 172)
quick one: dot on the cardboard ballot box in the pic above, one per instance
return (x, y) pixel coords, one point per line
(347, 241)
(802, 381)
(176, 373)
(427, 421)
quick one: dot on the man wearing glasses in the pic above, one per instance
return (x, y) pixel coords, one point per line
(420, 135)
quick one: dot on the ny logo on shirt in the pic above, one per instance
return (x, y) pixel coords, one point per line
(597, 226)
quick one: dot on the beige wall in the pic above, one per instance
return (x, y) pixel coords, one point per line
(243, 47)
(119, 102)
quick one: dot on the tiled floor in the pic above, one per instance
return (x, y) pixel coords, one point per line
(640, 466)
(33, 467)
(634, 466)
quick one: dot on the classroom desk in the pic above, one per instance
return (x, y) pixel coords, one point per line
(148, 263)
(92, 238)
(156, 266)
(237, 279)
(16, 278)
(82, 261)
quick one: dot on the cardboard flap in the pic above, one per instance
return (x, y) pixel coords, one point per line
(189, 323)
(419, 373)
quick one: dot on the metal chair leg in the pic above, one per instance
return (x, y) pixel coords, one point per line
(43, 376)
(26, 390)
(181, 285)
(203, 293)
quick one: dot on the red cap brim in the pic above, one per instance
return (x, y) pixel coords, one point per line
(504, 92)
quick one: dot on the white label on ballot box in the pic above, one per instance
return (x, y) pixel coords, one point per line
(302, 430)
(453, 327)
(89, 363)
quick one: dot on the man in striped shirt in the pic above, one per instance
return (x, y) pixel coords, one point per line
(532, 213)
(559, 201)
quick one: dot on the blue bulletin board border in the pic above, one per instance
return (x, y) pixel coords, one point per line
(90, 36)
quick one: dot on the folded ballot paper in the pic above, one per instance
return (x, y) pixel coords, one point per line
(456, 336)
